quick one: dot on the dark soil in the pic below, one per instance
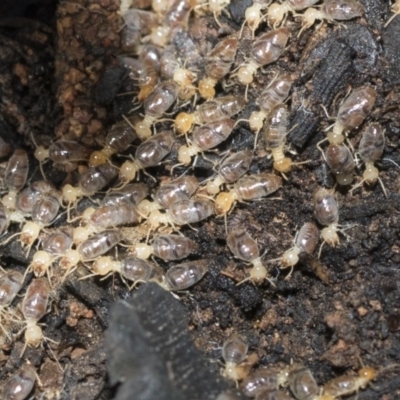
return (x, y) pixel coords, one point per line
(60, 77)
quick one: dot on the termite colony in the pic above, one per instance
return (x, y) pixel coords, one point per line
(296, 381)
(136, 203)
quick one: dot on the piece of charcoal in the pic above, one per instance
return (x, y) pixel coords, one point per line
(330, 66)
(151, 354)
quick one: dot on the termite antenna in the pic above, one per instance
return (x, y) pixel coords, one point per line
(226, 223)
(11, 237)
(245, 280)
(41, 154)
(46, 339)
(394, 163)
(396, 10)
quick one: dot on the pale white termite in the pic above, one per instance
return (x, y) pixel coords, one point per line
(264, 379)
(185, 78)
(327, 213)
(10, 284)
(245, 248)
(352, 112)
(40, 201)
(206, 137)
(134, 66)
(168, 62)
(155, 106)
(130, 268)
(44, 211)
(174, 21)
(169, 193)
(137, 23)
(132, 193)
(62, 152)
(105, 217)
(34, 307)
(349, 384)
(183, 276)
(90, 249)
(99, 244)
(15, 176)
(172, 69)
(216, 7)
(265, 50)
(57, 243)
(40, 264)
(148, 154)
(166, 247)
(234, 352)
(277, 12)
(305, 242)
(20, 385)
(91, 181)
(145, 69)
(160, 7)
(275, 132)
(118, 139)
(273, 95)
(370, 150)
(179, 189)
(54, 246)
(210, 111)
(150, 58)
(331, 11)
(183, 212)
(230, 170)
(249, 187)
(253, 14)
(28, 197)
(218, 63)
(303, 385)
(341, 162)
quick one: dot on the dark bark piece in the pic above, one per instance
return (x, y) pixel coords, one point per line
(150, 352)
(330, 67)
(391, 45)
(376, 12)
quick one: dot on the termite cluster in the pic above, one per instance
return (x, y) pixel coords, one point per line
(294, 381)
(116, 214)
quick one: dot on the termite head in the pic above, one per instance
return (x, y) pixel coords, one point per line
(183, 122)
(371, 174)
(290, 258)
(284, 165)
(33, 335)
(330, 236)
